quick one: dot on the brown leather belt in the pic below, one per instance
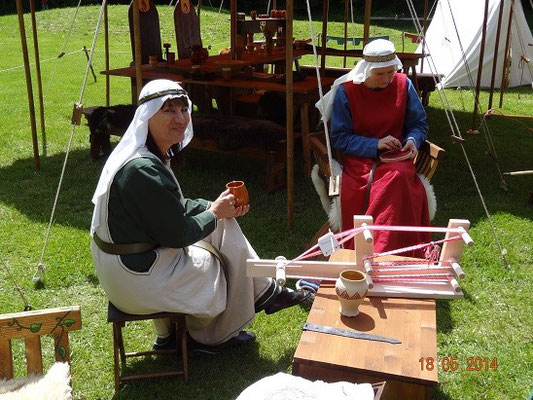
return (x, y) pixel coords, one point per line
(123, 249)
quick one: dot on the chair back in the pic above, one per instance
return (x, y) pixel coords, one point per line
(150, 31)
(187, 26)
(30, 326)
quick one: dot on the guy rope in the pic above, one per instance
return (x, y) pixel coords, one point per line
(76, 120)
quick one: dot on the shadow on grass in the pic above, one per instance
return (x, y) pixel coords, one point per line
(208, 375)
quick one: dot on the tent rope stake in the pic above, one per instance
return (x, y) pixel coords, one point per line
(40, 266)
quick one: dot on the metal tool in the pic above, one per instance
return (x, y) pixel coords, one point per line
(348, 333)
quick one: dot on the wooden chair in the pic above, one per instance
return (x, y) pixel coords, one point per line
(187, 26)
(426, 162)
(30, 326)
(119, 319)
(150, 31)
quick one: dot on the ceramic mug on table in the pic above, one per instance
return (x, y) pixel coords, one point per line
(238, 189)
(351, 288)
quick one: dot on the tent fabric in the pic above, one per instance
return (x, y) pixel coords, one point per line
(444, 46)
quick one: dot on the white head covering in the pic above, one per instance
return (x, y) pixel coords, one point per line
(378, 53)
(152, 97)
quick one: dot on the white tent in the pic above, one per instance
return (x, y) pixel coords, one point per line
(444, 43)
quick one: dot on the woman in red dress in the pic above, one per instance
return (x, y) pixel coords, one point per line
(373, 110)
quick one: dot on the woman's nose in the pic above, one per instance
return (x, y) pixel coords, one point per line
(179, 116)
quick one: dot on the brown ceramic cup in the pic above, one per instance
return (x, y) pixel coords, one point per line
(238, 189)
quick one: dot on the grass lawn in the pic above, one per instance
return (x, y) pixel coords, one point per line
(493, 320)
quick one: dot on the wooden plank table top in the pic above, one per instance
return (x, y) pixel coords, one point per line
(412, 321)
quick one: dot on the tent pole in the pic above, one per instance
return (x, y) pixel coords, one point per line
(366, 29)
(106, 45)
(289, 100)
(424, 30)
(38, 72)
(345, 31)
(137, 42)
(325, 17)
(503, 85)
(496, 48)
(480, 68)
(233, 28)
(29, 89)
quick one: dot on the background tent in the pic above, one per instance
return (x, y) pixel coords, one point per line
(467, 16)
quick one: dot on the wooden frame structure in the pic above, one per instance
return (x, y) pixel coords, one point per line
(30, 326)
(385, 285)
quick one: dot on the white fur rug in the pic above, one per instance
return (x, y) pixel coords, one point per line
(288, 387)
(332, 206)
(55, 385)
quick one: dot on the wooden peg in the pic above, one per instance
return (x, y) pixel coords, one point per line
(369, 281)
(455, 285)
(334, 185)
(77, 112)
(280, 271)
(367, 234)
(466, 237)
(458, 271)
(368, 267)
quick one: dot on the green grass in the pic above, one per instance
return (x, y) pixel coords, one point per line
(493, 320)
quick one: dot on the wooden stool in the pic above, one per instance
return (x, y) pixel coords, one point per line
(119, 319)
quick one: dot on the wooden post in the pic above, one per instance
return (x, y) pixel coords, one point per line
(424, 30)
(137, 42)
(106, 46)
(363, 246)
(345, 32)
(480, 66)
(325, 16)
(38, 72)
(366, 29)
(289, 99)
(29, 89)
(506, 53)
(233, 28)
(496, 48)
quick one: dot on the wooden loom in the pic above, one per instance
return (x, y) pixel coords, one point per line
(388, 276)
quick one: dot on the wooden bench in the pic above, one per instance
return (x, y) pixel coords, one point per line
(30, 326)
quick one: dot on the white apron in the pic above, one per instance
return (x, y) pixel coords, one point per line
(189, 281)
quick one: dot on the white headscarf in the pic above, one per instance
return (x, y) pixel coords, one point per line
(151, 99)
(378, 53)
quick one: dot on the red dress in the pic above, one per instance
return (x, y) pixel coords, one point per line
(397, 196)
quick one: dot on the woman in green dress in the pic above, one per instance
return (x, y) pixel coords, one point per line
(155, 250)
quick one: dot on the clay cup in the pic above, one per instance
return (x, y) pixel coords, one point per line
(238, 189)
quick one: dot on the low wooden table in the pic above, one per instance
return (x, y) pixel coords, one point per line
(336, 358)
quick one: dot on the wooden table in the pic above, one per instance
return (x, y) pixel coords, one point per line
(335, 358)
(305, 93)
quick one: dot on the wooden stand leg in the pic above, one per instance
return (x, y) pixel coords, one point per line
(116, 368)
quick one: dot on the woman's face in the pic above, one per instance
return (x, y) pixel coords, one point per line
(380, 77)
(168, 125)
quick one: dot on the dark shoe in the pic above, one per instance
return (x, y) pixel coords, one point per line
(288, 298)
(240, 340)
(168, 343)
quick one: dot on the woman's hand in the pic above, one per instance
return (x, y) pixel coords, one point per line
(224, 206)
(410, 145)
(389, 143)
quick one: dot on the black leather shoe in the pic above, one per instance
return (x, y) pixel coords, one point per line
(288, 298)
(168, 343)
(240, 340)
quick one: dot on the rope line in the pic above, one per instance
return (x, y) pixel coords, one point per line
(27, 305)
(503, 252)
(61, 55)
(40, 265)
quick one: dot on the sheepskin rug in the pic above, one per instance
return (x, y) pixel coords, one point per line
(55, 385)
(332, 207)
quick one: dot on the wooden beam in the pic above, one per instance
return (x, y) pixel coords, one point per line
(34, 357)
(38, 73)
(506, 54)
(137, 45)
(29, 88)
(233, 28)
(106, 47)
(289, 100)
(480, 64)
(325, 17)
(496, 51)
(366, 29)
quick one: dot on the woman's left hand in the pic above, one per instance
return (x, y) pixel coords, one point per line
(410, 145)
